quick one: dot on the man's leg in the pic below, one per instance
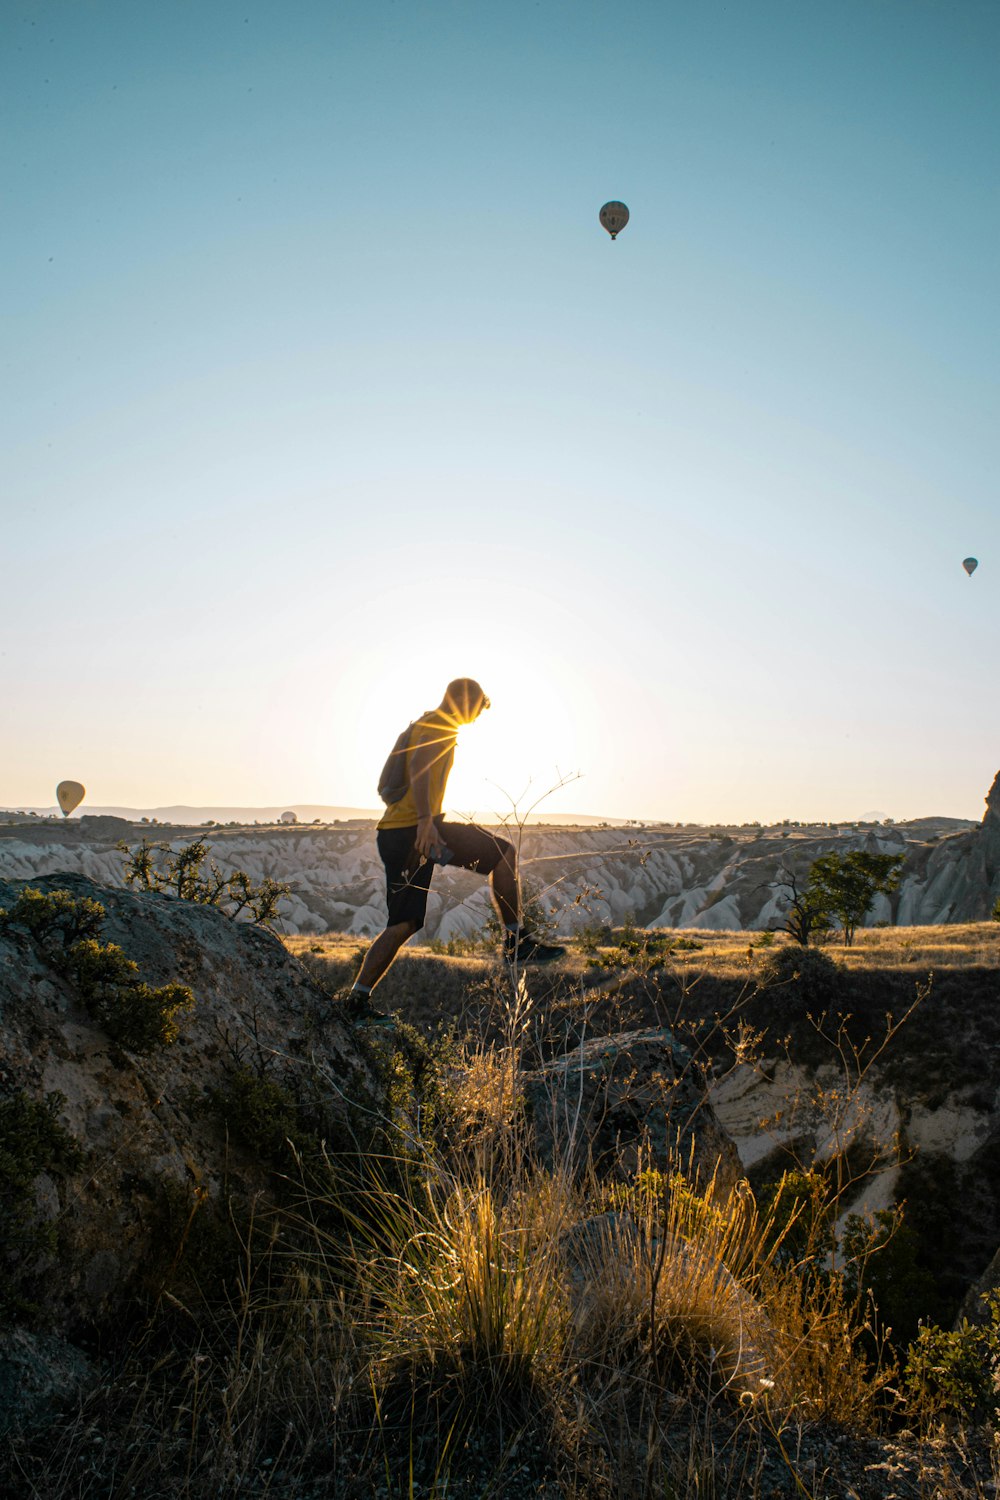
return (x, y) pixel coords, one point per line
(406, 900)
(477, 849)
(382, 952)
(505, 888)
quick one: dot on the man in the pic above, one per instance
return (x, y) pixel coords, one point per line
(413, 836)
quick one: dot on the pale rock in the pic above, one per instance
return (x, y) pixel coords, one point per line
(657, 875)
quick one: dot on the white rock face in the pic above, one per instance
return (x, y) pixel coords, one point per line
(660, 876)
(815, 1114)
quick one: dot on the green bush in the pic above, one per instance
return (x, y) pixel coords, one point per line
(951, 1375)
(66, 928)
(260, 1113)
(55, 919)
(134, 1014)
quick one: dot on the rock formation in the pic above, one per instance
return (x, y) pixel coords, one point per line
(145, 1123)
(659, 875)
(622, 1102)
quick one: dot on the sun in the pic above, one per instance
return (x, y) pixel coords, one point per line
(515, 755)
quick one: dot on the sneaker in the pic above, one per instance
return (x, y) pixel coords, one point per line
(361, 1012)
(530, 950)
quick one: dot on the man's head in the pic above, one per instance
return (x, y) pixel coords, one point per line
(464, 700)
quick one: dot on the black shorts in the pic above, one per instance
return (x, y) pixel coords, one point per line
(408, 877)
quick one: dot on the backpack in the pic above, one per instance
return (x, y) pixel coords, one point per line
(394, 783)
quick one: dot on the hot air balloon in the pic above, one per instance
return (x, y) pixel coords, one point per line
(614, 217)
(69, 794)
(970, 564)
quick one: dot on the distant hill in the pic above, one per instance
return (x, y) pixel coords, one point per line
(306, 812)
(658, 875)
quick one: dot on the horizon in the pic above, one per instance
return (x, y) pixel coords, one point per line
(326, 386)
(310, 813)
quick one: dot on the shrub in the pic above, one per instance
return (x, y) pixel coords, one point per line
(806, 974)
(182, 872)
(640, 948)
(801, 1211)
(66, 928)
(138, 1016)
(593, 935)
(261, 1113)
(55, 919)
(951, 1374)
(882, 1256)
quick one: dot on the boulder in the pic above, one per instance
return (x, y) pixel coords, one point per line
(631, 1100)
(148, 1124)
(38, 1373)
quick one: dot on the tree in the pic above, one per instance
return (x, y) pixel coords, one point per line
(806, 913)
(845, 885)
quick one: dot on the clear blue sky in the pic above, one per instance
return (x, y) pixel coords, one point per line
(322, 384)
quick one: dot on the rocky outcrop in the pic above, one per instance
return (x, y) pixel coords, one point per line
(659, 875)
(618, 1103)
(910, 1107)
(146, 1124)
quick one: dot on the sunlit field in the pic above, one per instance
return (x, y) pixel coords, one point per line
(729, 955)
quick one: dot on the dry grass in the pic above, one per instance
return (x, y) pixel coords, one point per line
(729, 955)
(462, 1324)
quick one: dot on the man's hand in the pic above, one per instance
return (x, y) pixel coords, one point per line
(428, 840)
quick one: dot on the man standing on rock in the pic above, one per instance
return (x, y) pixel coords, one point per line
(413, 836)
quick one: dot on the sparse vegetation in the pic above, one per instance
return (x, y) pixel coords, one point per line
(463, 947)
(425, 1312)
(190, 874)
(640, 948)
(138, 1016)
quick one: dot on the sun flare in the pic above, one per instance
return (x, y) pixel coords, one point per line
(518, 753)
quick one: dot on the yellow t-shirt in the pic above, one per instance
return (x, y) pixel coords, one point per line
(430, 729)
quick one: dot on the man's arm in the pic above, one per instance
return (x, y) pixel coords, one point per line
(422, 760)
